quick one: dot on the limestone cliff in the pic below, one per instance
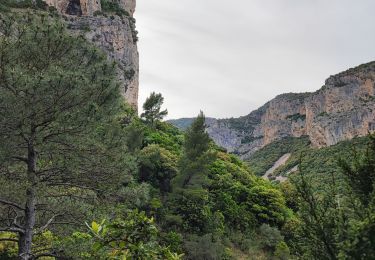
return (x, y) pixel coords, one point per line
(112, 32)
(342, 109)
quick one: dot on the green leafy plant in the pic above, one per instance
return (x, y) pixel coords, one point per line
(134, 237)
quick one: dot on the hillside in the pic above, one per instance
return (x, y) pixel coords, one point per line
(317, 161)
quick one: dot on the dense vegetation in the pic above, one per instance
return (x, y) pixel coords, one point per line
(335, 211)
(264, 158)
(315, 161)
(83, 177)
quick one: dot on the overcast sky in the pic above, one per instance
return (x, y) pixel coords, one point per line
(229, 57)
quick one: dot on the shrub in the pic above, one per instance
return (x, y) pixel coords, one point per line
(134, 237)
(270, 237)
(203, 248)
(109, 6)
(39, 4)
(282, 251)
(98, 13)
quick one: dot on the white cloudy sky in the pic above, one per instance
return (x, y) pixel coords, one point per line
(229, 57)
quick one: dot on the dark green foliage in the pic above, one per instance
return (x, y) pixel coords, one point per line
(244, 200)
(323, 162)
(267, 205)
(360, 177)
(38, 4)
(250, 139)
(61, 133)
(337, 212)
(135, 236)
(174, 241)
(166, 136)
(204, 248)
(264, 158)
(296, 117)
(322, 114)
(157, 166)
(193, 207)
(317, 233)
(360, 173)
(152, 109)
(315, 161)
(132, 23)
(197, 155)
(271, 237)
(129, 73)
(112, 6)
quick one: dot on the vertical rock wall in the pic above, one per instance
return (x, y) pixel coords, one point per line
(115, 35)
(87, 7)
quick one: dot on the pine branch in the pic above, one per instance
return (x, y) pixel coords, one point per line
(10, 203)
(48, 223)
(9, 239)
(13, 230)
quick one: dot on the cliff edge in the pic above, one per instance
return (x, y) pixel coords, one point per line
(342, 109)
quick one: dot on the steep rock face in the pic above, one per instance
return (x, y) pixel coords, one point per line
(128, 5)
(340, 110)
(76, 7)
(343, 108)
(115, 35)
(284, 116)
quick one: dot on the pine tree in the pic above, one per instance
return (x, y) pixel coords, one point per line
(152, 108)
(359, 176)
(197, 155)
(59, 137)
(338, 219)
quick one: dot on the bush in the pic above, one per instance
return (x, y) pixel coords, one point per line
(98, 13)
(174, 241)
(270, 237)
(134, 237)
(282, 251)
(109, 6)
(203, 248)
(157, 166)
(241, 241)
(39, 4)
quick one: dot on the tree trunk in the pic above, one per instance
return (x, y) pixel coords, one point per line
(25, 240)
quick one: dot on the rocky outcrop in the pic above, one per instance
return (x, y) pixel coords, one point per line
(128, 5)
(114, 34)
(76, 7)
(342, 109)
